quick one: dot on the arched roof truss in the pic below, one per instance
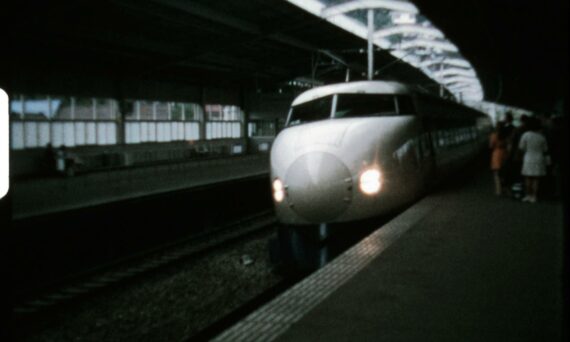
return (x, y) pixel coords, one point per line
(349, 6)
(400, 28)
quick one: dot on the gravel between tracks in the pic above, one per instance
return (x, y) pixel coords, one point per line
(168, 305)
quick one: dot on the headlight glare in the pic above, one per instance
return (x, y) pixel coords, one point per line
(370, 181)
(278, 190)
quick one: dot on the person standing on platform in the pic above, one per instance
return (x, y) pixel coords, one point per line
(506, 170)
(498, 144)
(513, 178)
(535, 149)
(50, 160)
(509, 126)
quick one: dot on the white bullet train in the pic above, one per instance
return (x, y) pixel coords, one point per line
(356, 150)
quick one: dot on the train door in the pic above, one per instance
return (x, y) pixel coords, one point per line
(413, 166)
(429, 157)
(425, 145)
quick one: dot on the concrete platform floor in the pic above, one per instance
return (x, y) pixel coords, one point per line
(460, 265)
(39, 196)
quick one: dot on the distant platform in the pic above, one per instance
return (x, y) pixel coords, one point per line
(459, 265)
(38, 196)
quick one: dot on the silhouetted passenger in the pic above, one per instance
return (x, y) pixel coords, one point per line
(498, 142)
(509, 126)
(66, 162)
(513, 178)
(535, 148)
(50, 161)
(60, 157)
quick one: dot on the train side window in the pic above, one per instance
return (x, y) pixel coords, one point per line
(424, 140)
(441, 138)
(405, 105)
(473, 133)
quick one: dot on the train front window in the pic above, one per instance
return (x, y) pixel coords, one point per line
(318, 109)
(356, 105)
(405, 105)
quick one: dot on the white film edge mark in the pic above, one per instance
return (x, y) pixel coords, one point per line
(4, 144)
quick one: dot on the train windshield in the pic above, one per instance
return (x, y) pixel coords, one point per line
(318, 109)
(356, 105)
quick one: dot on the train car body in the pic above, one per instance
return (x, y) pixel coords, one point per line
(356, 150)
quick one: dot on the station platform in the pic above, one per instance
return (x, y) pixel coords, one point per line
(40, 196)
(461, 264)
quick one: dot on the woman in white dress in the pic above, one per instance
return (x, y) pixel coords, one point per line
(535, 149)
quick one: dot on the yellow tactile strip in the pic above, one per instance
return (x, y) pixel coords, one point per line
(275, 317)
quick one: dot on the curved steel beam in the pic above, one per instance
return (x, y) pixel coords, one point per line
(412, 29)
(446, 46)
(392, 5)
(458, 62)
(460, 79)
(455, 72)
(462, 87)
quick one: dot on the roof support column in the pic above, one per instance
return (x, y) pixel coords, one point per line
(121, 108)
(440, 82)
(120, 120)
(370, 43)
(244, 121)
(202, 121)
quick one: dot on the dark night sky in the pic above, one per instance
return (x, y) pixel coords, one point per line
(519, 48)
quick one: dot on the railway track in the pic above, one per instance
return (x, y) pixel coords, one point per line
(126, 269)
(200, 288)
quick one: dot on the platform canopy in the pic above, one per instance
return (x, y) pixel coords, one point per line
(174, 49)
(402, 30)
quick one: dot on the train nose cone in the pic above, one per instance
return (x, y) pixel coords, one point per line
(319, 187)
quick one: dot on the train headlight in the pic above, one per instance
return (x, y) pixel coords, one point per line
(370, 181)
(278, 190)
